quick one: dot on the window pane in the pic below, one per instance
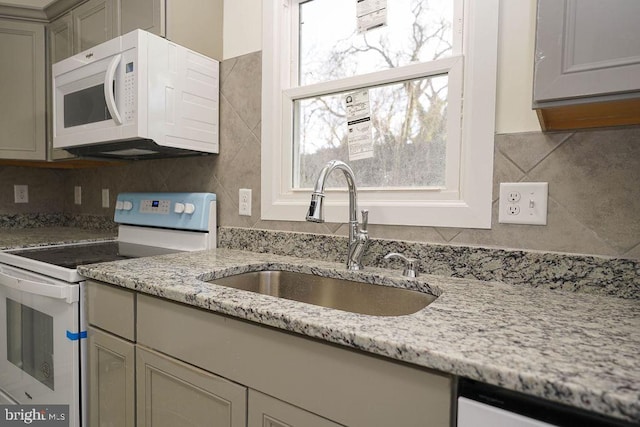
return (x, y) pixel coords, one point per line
(331, 48)
(409, 136)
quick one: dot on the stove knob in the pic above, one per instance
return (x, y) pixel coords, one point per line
(119, 205)
(178, 208)
(189, 208)
(127, 205)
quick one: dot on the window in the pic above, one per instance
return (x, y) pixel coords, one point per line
(428, 78)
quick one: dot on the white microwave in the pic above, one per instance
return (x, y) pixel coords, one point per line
(136, 96)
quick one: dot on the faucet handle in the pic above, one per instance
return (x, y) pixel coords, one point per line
(365, 219)
(410, 264)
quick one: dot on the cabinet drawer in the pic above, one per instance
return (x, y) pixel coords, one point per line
(112, 309)
(346, 386)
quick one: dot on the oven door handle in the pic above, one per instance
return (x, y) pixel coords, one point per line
(67, 293)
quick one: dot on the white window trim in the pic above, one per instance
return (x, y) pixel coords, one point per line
(470, 207)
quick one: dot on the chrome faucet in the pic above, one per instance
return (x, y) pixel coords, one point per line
(358, 235)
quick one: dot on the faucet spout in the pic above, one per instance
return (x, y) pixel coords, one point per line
(358, 235)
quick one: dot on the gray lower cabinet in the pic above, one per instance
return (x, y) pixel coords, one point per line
(266, 411)
(22, 91)
(171, 393)
(111, 360)
(111, 380)
(198, 368)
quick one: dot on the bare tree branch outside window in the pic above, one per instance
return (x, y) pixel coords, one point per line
(409, 118)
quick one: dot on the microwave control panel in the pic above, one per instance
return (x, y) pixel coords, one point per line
(129, 91)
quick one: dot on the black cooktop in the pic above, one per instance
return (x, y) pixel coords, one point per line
(71, 256)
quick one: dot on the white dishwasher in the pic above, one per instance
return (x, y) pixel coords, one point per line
(475, 414)
(483, 405)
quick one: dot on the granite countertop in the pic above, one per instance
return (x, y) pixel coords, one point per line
(45, 236)
(573, 348)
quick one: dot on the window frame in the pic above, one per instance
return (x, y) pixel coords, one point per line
(468, 205)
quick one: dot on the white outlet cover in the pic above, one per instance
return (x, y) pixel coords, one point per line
(532, 203)
(244, 203)
(105, 197)
(77, 195)
(21, 193)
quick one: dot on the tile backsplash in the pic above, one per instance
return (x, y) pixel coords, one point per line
(594, 182)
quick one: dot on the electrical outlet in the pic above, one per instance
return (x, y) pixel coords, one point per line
(513, 196)
(105, 197)
(244, 196)
(77, 195)
(523, 203)
(513, 209)
(21, 193)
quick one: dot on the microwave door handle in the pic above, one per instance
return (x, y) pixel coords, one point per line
(108, 89)
(36, 288)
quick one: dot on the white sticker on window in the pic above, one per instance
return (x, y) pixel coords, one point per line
(371, 14)
(359, 136)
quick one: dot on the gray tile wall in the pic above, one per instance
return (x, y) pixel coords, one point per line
(594, 181)
(45, 188)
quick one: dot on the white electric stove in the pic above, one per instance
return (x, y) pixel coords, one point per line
(42, 321)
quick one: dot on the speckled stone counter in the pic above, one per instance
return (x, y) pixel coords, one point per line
(574, 348)
(41, 236)
(44, 220)
(553, 271)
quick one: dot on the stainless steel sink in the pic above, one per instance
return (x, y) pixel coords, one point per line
(346, 295)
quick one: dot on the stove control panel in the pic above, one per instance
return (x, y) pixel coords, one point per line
(184, 211)
(155, 206)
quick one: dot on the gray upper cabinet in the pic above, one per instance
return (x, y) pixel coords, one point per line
(87, 25)
(148, 15)
(587, 52)
(60, 38)
(94, 22)
(22, 93)
(587, 48)
(196, 24)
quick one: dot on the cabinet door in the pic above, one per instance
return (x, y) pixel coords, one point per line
(586, 48)
(171, 393)
(111, 380)
(94, 22)
(265, 411)
(60, 38)
(196, 24)
(22, 91)
(147, 15)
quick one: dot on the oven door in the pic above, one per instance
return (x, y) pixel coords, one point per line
(39, 339)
